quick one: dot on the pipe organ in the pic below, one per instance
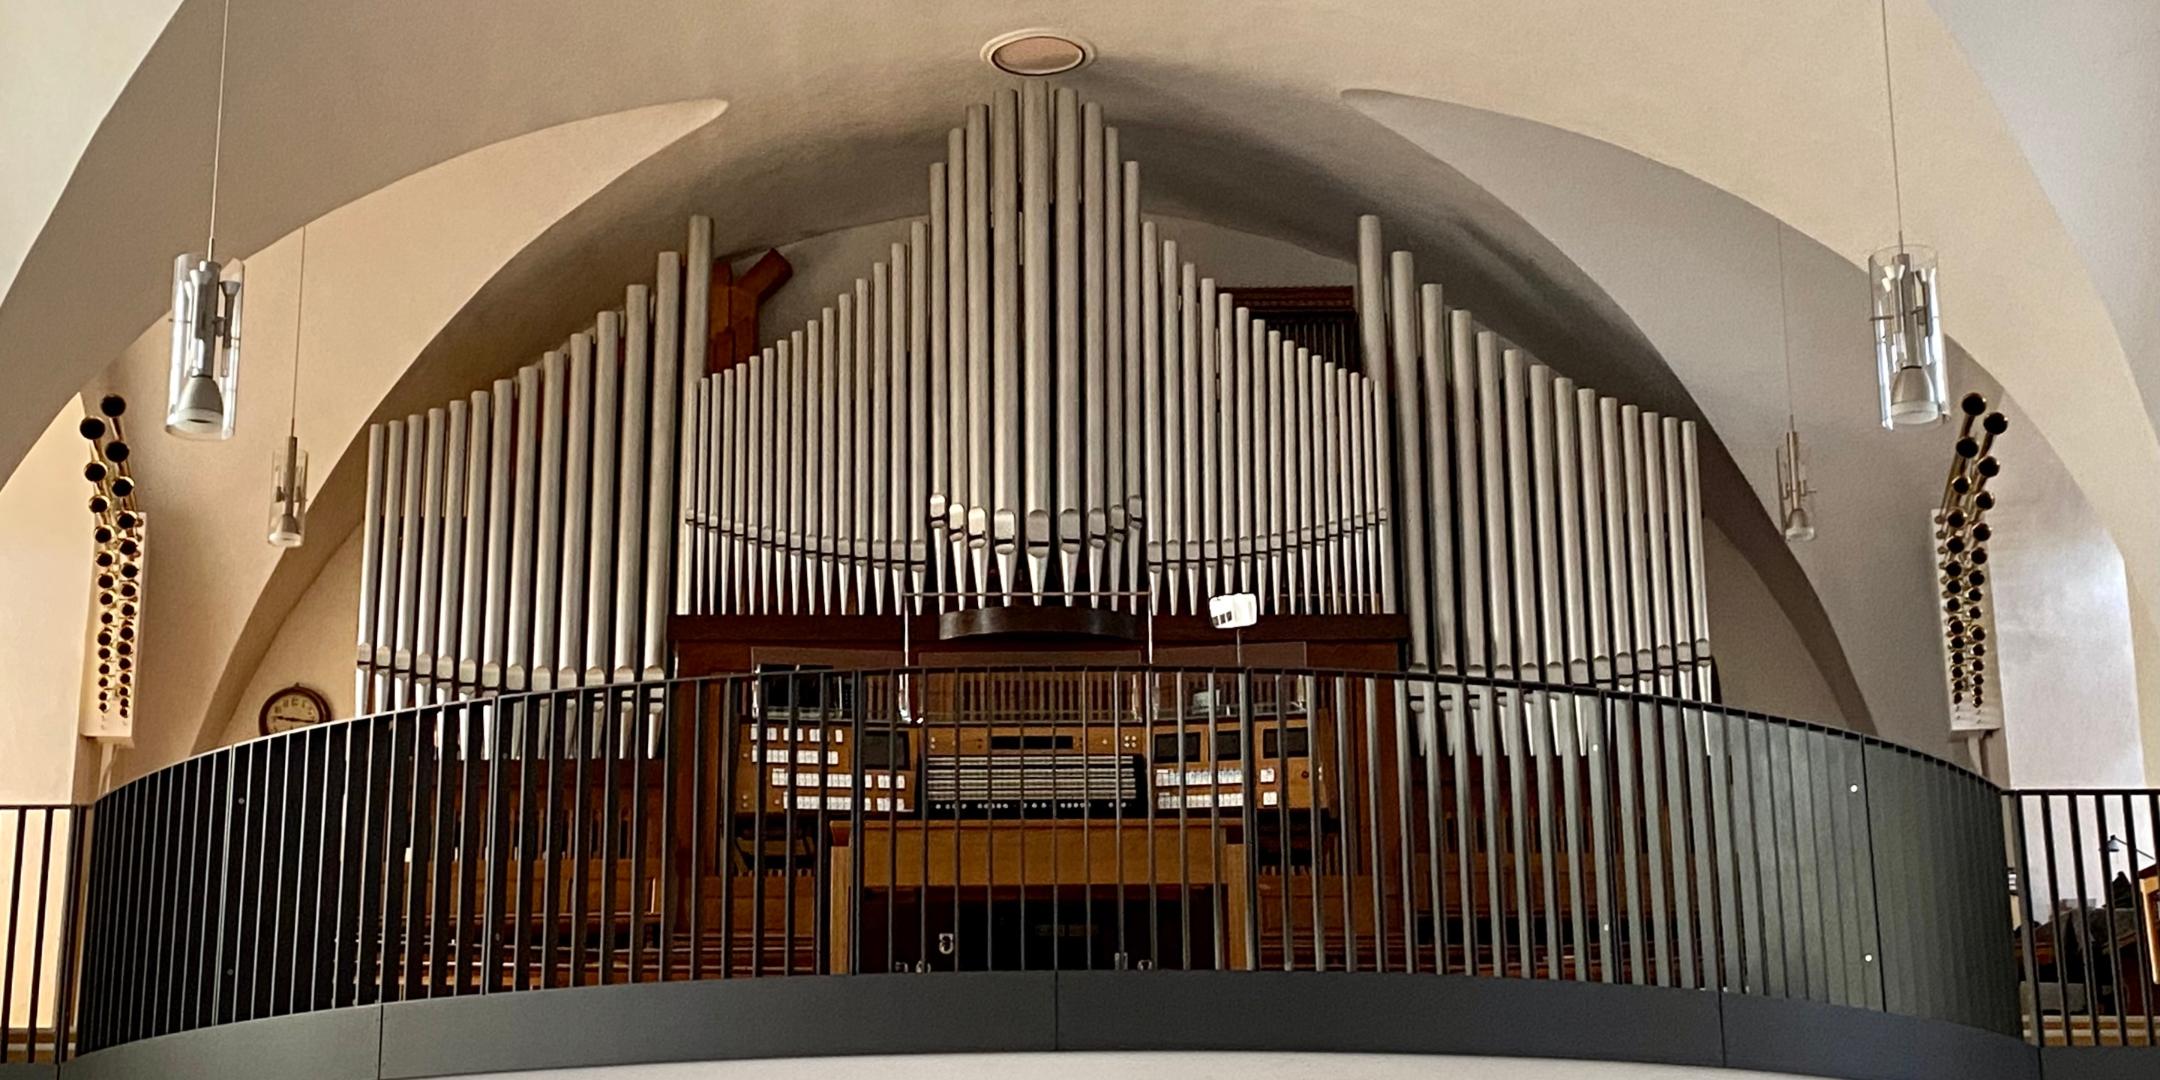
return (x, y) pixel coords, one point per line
(1035, 398)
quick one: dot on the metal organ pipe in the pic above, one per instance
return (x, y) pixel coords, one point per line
(943, 418)
(1404, 318)
(431, 515)
(1661, 655)
(1567, 461)
(1543, 485)
(472, 606)
(1088, 413)
(1676, 557)
(600, 554)
(1514, 378)
(1438, 434)
(371, 546)
(452, 579)
(1202, 386)
(1589, 471)
(659, 502)
(1035, 370)
(1006, 416)
(1074, 376)
(694, 328)
(408, 575)
(1187, 446)
(575, 387)
(1465, 351)
(524, 472)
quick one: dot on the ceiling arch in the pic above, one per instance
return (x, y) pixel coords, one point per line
(1238, 109)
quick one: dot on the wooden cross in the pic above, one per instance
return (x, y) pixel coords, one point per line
(734, 333)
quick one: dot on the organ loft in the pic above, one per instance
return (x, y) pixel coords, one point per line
(998, 483)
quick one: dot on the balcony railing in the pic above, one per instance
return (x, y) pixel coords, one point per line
(40, 868)
(2088, 915)
(929, 821)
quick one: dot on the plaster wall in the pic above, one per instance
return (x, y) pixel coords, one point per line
(45, 552)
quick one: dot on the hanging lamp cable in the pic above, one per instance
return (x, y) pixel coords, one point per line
(1785, 326)
(217, 138)
(292, 424)
(1897, 189)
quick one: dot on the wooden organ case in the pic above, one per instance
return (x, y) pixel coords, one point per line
(1008, 778)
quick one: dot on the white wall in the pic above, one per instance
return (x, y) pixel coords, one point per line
(1147, 1066)
(2065, 656)
(61, 67)
(314, 647)
(1762, 663)
(45, 552)
(384, 275)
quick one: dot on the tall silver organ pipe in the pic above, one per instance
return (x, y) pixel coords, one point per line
(1035, 397)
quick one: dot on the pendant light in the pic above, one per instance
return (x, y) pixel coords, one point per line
(1794, 491)
(202, 389)
(1909, 372)
(288, 468)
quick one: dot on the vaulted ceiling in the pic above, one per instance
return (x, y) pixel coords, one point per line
(1282, 119)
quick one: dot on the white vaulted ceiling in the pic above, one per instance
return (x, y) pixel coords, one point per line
(1238, 111)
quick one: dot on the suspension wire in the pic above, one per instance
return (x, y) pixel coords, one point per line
(217, 139)
(1785, 325)
(1897, 189)
(300, 324)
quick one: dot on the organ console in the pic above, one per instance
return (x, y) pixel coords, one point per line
(1031, 427)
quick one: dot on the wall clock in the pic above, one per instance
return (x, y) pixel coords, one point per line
(293, 707)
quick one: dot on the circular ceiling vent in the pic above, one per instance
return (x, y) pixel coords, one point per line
(1037, 52)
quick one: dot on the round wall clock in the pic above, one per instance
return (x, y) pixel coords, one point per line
(293, 707)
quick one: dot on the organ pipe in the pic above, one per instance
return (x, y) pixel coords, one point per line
(1035, 393)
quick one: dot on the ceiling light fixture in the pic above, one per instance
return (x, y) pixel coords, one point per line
(288, 469)
(1909, 371)
(1794, 491)
(202, 389)
(1037, 53)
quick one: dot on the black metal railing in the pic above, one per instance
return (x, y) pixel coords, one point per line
(952, 820)
(40, 869)
(2088, 915)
